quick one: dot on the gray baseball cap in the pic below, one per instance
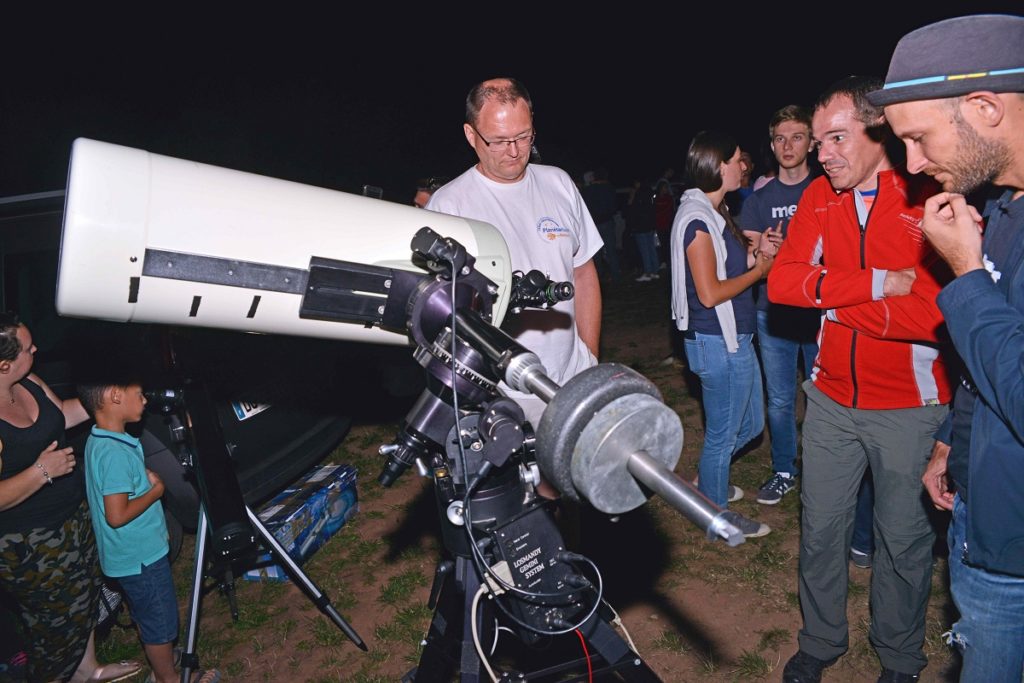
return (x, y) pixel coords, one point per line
(955, 57)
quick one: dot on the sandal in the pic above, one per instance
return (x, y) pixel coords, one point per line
(116, 671)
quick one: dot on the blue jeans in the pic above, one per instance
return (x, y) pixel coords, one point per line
(733, 406)
(990, 632)
(152, 603)
(779, 358)
(648, 252)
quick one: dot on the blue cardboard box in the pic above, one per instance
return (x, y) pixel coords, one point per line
(305, 515)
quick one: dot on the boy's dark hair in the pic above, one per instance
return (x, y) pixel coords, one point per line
(91, 396)
(90, 391)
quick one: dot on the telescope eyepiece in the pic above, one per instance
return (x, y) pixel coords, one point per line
(534, 290)
(163, 401)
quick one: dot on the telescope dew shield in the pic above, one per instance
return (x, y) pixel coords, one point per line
(150, 238)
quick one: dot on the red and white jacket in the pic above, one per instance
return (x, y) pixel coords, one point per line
(875, 353)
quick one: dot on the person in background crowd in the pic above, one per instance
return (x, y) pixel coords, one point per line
(664, 211)
(603, 203)
(425, 187)
(784, 333)
(737, 197)
(714, 268)
(640, 223)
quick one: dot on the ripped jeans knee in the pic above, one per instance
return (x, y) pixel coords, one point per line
(990, 632)
(955, 639)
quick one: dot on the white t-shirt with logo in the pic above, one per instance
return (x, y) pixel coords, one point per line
(548, 228)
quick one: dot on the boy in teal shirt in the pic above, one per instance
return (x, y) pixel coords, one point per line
(130, 530)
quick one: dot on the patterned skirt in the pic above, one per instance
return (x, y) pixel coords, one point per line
(53, 578)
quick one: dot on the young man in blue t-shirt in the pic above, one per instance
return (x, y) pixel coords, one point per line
(131, 533)
(783, 332)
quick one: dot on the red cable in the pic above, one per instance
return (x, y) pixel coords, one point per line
(586, 655)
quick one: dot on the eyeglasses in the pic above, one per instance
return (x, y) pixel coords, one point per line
(523, 142)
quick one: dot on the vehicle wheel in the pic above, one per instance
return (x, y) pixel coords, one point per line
(174, 536)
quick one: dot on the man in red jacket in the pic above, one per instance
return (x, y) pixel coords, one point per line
(879, 388)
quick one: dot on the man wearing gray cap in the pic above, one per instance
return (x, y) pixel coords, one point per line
(955, 95)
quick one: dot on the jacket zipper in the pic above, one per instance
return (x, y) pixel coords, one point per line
(863, 266)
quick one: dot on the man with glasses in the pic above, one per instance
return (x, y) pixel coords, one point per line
(542, 217)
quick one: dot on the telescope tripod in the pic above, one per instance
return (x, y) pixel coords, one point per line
(228, 528)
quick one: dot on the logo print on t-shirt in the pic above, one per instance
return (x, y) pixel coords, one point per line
(549, 230)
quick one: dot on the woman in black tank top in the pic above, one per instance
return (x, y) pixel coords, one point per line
(48, 560)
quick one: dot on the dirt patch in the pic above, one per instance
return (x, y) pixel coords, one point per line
(696, 610)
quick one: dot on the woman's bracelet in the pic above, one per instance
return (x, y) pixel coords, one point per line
(45, 474)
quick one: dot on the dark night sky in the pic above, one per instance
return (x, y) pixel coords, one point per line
(338, 101)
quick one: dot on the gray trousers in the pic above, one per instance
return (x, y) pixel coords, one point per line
(838, 444)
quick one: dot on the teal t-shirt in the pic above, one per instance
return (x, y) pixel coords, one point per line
(115, 463)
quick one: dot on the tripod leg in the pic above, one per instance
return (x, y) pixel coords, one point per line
(322, 602)
(603, 638)
(448, 648)
(444, 568)
(189, 659)
(227, 588)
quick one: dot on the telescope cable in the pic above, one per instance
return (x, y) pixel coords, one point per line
(476, 635)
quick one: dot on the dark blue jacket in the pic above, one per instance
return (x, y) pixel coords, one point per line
(986, 322)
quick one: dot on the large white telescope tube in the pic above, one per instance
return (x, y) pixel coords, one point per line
(150, 238)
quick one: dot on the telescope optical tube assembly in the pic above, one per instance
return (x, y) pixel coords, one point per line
(151, 238)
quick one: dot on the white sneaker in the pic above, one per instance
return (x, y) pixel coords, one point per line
(644, 278)
(655, 276)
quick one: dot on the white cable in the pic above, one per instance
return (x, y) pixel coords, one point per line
(618, 621)
(476, 636)
(497, 633)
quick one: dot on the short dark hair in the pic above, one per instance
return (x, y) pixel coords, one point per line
(791, 112)
(10, 345)
(505, 90)
(90, 390)
(873, 118)
(857, 89)
(708, 150)
(91, 396)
